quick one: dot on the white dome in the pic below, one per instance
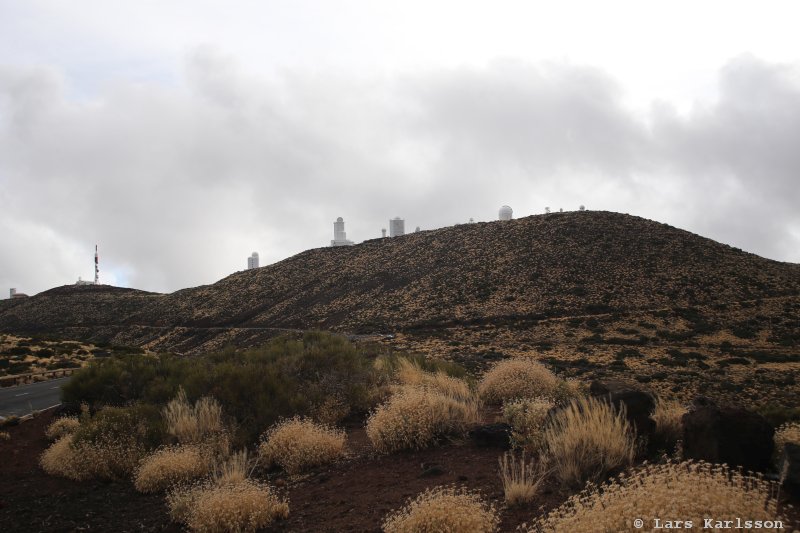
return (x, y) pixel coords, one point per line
(506, 213)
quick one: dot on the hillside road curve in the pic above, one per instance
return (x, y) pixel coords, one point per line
(25, 399)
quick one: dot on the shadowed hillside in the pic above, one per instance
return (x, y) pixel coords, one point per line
(561, 264)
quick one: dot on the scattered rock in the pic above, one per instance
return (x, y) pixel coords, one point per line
(639, 405)
(431, 469)
(492, 435)
(730, 435)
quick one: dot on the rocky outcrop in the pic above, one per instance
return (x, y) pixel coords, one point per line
(638, 404)
(730, 435)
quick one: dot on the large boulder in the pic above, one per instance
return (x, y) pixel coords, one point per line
(639, 405)
(730, 435)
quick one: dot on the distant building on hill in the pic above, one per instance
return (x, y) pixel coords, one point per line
(13, 294)
(505, 213)
(339, 235)
(83, 282)
(252, 261)
(397, 227)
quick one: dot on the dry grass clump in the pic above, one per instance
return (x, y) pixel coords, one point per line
(410, 373)
(4, 435)
(170, 466)
(229, 501)
(191, 424)
(298, 444)
(523, 377)
(522, 480)
(443, 510)
(416, 417)
(107, 457)
(587, 439)
(527, 417)
(62, 459)
(667, 415)
(61, 427)
(685, 491)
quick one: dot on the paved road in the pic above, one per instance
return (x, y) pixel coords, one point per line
(26, 398)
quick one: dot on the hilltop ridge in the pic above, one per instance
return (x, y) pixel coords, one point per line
(560, 264)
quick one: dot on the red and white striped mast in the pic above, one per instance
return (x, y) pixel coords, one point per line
(96, 267)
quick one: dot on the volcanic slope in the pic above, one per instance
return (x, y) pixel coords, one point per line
(560, 264)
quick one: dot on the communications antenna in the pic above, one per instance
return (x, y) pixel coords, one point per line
(96, 267)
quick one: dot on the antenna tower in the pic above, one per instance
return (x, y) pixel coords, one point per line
(96, 267)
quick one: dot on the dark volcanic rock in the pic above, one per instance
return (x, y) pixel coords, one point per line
(730, 435)
(789, 465)
(492, 435)
(639, 405)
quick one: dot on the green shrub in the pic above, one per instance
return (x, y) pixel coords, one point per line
(288, 376)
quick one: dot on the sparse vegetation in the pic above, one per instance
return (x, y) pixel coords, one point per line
(518, 378)
(587, 440)
(443, 509)
(62, 427)
(527, 417)
(690, 491)
(522, 478)
(170, 466)
(299, 444)
(667, 416)
(193, 423)
(416, 417)
(229, 501)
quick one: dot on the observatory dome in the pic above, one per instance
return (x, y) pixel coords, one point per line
(506, 213)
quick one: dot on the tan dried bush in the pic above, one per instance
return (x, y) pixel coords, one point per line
(415, 418)
(172, 465)
(587, 439)
(527, 417)
(522, 478)
(4, 435)
(674, 491)
(60, 459)
(229, 501)
(299, 444)
(667, 415)
(520, 377)
(233, 469)
(61, 427)
(191, 424)
(410, 373)
(107, 457)
(443, 510)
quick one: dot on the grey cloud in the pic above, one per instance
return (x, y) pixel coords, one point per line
(181, 183)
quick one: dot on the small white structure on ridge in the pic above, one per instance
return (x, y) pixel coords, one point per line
(506, 213)
(339, 235)
(252, 261)
(397, 227)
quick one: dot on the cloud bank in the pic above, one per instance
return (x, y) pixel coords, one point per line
(179, 183)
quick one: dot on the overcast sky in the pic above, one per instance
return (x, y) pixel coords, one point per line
(182, 136)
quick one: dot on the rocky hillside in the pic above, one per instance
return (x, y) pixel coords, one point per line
(561, 264)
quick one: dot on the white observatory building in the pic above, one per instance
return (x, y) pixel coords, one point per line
(506, 213)
(397, 227)
(252, 261)
(339, 235)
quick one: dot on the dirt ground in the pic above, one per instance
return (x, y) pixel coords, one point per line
(352, 496)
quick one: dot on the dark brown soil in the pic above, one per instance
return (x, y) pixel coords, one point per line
(351, 496)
